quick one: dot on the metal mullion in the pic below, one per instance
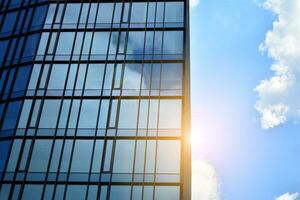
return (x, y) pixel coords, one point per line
(185, 167)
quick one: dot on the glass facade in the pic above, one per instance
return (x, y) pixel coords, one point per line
(94, 100)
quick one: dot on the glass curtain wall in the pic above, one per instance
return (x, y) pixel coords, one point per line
(92, 99)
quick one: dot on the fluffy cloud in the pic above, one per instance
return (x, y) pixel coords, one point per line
(205, 184)
(194, 3)
(288, 196)
(279, 96)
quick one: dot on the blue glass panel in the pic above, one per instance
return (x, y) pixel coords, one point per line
(127, 121)
(39, 16)
(11, 115)
(72, 13)
(33, 192)
(138, 12)
(173, 42)
(9, 22)
(58, 77)
(76, 192)
(124, 155)
(132, 77)
(22, 79)
(88, 114)
(3, 46)
(120, 192)
(4, 149)
(40, 156)
(49, 114)
(65, 43)
(82, 156)
(166, 193)
(171, 76)
(174, 12)
(100, 43)
(105, 13)
(94, 79)
(135, 42)
(31, 45)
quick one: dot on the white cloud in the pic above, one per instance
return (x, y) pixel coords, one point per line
(279, 96)
(205, 183)
(194, 3)
(288, 196)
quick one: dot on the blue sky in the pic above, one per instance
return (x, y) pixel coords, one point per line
(241, 160)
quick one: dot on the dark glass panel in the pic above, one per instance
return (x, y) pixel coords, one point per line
(9, 22)
(11, 115)
(4, 150)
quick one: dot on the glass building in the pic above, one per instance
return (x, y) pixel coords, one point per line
(94, 100)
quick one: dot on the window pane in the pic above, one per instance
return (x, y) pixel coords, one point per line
(11, 115)
(132, 76)
(127, 120)
(58, 76)
(105, 13)
(174, 12)
(173, 42)
(166, 193)
(65, 43)
(100, 43)
(25, 114)
(124, 155)
(120, 192)
(171, 76)
(40, 156)
(82, 156)
(88, 114)
(72, 13)
(135, 42)
(170, 114)
(94, 77)
(76, 192)
(138, 12)
(168, 156)
(49, 114)
(33, 192)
